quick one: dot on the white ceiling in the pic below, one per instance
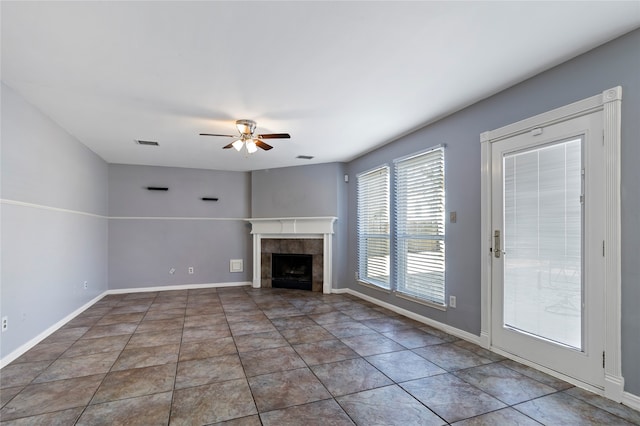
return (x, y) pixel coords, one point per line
(341, 77)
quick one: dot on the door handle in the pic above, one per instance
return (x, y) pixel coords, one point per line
(496, 243)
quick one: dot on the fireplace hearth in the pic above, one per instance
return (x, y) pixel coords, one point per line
(292, 271)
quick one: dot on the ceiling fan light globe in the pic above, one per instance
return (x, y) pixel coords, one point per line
(251, 146)
(238, 144)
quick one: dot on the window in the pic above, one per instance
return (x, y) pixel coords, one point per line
(419, 225)
(373, 227)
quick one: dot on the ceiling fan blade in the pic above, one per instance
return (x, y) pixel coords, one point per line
(228, 146)
(262, 145)
(275, 136)
(213, 134)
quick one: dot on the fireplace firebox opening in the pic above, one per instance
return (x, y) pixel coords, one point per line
(292, 271)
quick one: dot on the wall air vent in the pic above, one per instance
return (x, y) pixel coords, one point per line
(150, 143)
(305, 157)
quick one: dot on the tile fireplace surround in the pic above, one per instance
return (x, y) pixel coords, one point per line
(310, 246)
(293, 228)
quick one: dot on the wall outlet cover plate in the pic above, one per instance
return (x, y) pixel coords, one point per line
(236, 265)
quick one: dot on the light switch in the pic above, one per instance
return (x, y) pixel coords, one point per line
(453, 216)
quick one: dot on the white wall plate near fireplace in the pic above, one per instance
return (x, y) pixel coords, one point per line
(236, 265)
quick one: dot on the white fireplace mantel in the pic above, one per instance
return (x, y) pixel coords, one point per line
(294, 227)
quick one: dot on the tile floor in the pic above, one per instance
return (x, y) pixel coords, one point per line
(243, 356)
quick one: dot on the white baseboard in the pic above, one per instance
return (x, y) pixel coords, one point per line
(631, 400)
(177, 287)
(465, 335)
(548, 371)
(12, 356)
(626, 398)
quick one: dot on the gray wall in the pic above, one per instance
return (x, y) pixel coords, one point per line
(151, 232)
(304, 191)
(295, 191)
(58, 241)
(616, 63)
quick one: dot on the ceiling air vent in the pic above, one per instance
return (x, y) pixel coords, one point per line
(305, 157)
(150, 143)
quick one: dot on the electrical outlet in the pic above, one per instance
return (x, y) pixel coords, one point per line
(5, 323)
(190, 270)
(85, 285)
(452, 301)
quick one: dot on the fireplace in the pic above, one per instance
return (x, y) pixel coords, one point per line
(300, 235)
(287, 247)
(292, 271)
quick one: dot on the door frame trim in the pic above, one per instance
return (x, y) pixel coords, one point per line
(609, 101)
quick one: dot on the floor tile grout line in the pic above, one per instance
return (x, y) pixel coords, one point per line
(110, 369)
(50, 364)
(507, 405)
(420, 402)
(504, 408)
(490, 394)
(564, 391)
(110, 401)
(308, 367)
(394, 382)
(52, 361)
(246, 379)
(398, 384)
(175, 376)
(530, 377)
(362, 357)
(514, 406)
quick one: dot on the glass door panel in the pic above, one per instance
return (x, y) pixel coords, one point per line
(543, 242)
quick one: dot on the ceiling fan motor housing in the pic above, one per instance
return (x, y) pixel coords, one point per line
(246, 127)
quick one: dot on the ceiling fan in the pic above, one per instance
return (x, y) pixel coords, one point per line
(248, 139)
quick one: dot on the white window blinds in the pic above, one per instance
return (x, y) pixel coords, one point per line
(543, 232)
(373, 227)
(420, 226)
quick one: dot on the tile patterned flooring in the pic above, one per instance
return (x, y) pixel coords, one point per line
(242, 356)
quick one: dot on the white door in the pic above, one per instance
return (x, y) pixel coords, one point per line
(547, 247)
